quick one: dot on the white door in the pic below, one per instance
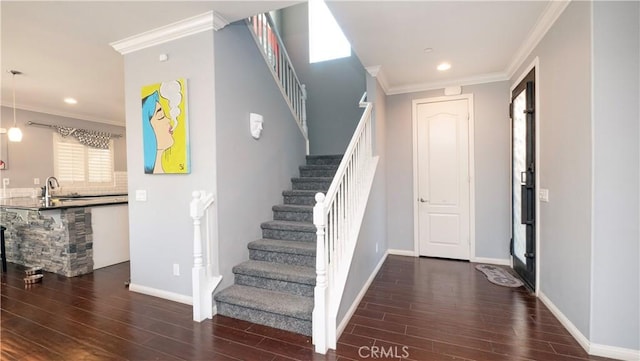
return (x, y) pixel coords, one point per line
(443, 178)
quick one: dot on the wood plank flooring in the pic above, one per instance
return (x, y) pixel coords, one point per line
(416, 309)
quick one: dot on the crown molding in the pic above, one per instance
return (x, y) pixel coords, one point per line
(546, 20)
(376, 72)
(180, 29)
(479, 79)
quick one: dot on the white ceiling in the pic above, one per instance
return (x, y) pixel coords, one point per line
(63, 47)
(482, 40)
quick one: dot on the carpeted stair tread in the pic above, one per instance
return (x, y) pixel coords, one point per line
(266, 300)
(311, 179)
(300, 193)
(282, 246)
(289, 226)
(320, 166)
(292, 208)
(277, 271)
(324, 159)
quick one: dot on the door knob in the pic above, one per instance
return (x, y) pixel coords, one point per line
(424, 200)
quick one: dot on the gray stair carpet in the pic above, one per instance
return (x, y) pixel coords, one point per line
(275, 286)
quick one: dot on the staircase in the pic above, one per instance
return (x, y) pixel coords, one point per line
(276, 286)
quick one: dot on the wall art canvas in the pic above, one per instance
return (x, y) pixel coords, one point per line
(165, 131)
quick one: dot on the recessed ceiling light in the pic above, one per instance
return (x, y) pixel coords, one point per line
(428, 50)
(444, 66)
(70, 101)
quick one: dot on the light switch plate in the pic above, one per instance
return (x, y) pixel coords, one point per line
(141, 195)
(544, 195)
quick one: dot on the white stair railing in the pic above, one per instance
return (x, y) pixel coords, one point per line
(205, 277)
(338, 217)
(272, 48)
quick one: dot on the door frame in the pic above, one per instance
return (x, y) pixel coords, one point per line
(534, 64)
(472, 181)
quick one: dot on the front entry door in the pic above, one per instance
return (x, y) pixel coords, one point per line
(523, 249)
(443, 178)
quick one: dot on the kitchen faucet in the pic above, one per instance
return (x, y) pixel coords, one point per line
(48, 186)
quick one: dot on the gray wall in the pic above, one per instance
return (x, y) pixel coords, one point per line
(334, 87)
(372, 241)
(565, 162)
(33, 156)
(492, 164)
(251, 173)
(615, 312)
(160, 229)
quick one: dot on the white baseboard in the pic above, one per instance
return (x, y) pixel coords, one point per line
(619, 353)
(496, 261)
(356, 302)
(171, 296)
(401, 252)
(614, 352)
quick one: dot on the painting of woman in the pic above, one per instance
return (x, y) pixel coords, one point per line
(164, 132)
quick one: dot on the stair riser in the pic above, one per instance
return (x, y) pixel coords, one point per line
(284, 258)
(293, 216)
(300, 200)
(322, 186)
(265, 318)
(317, 173)
(275, 285)
(289, 235)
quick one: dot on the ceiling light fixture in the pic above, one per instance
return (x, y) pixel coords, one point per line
(14, 133)
(428, 50)
(444, 66)
(70, 101)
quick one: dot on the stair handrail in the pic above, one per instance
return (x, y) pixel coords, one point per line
(272, 48)
(338, 216)
(204, 279)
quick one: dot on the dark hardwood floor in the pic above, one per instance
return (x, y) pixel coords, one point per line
(416, 309)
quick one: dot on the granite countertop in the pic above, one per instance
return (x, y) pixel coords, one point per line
(37, 204)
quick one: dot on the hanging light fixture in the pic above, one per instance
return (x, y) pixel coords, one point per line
(14, 133)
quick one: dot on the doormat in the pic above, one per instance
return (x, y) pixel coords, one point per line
(499, 276)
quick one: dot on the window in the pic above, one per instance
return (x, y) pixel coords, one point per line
(78, 164)
(326, 39)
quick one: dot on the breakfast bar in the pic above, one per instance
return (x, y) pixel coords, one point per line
(61, 235)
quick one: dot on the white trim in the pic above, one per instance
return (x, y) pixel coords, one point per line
(496, 261)
(573, 330)
(402, 252)
(219, 21)
(171, 296)
(546, 20)
(478, 79)
(376, 72)
(535, 64)
(352, 309)
(174, 31)
(471, 166)
(619, 353)
(594, 349)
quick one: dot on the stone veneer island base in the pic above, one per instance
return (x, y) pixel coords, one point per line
(58, 240)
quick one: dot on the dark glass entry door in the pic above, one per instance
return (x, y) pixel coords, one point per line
(523, 247)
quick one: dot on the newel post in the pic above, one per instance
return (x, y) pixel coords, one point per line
(198, 271)
(319, 320)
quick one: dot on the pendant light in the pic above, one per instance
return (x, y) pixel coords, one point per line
(14, 133)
